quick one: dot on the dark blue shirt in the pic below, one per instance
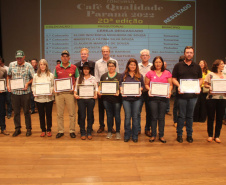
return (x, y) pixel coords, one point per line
(131, 79)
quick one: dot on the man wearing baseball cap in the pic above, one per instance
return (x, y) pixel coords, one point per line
(66, 70)
(20, 69)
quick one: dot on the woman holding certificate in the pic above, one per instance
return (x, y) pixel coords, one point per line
(216, 99)
(159, 83)
(200, 107)
(109, 88)
(42, 87)
(131, 85)
(85, 93)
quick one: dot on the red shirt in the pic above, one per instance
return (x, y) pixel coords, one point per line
(69, 71)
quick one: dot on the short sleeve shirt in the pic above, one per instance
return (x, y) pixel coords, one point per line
(208, 79)
(116, 78)
(70, 71)
(25, 71)
(183, 71)
(163, 78)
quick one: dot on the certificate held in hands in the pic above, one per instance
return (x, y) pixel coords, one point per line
(86, 91)
(131, 88)
(42, 89)
(159, 89)
(218, 85)
(17, 84)
(63, 84)
(2, 85)
(189, 86)
(108, 87)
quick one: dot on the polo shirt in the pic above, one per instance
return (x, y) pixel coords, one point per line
(25, 71)
(70, 71)
(183, 71)
(116, 78)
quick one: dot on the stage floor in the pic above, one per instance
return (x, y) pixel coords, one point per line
(65, 161)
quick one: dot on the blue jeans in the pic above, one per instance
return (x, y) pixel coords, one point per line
(145, 99)
(113, 110)
(132, 110)
(2, 111)
(175, 110)
(83, 106)
(158, 110)
(186, 109)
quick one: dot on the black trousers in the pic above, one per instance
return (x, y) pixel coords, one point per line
(200, 108)
(101, 111)
(45, 113)
(23, 101)
(215, 106)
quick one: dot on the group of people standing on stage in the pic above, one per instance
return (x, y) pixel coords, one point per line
(106, 69)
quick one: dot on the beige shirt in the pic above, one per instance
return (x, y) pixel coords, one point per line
(43, 78)
(208, 78)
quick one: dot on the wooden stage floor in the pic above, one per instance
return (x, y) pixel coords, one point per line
(65, 161)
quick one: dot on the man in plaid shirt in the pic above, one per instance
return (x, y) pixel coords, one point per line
(21, 97)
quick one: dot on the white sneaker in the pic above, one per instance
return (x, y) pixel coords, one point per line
(109, 135)
(117, 135)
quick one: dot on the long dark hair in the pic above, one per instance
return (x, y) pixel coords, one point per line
(81, 76)
(137, 74)
(215, 65)
(153, 66)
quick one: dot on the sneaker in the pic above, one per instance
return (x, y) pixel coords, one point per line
(109, 135)
(83, 137)
(89, 137)
(117, 136)
(49, 134)
(43, 134)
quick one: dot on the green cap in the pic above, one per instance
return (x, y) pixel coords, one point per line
(19, 54)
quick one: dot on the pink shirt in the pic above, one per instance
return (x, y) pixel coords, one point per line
(163, 78)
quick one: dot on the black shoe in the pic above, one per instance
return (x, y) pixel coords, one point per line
(189, 139)
(59, 135)
(16, 133)
(180, 139)
(135, 140)
(28, 133)
(152, 140)
(126, 140)
(163, 141)
(100, 130)
(72, 135)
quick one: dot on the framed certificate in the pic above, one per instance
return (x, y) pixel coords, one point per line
(16, 84)
(189, 86)
(63, 84)
(42, 89)
(131, 88)
(218, 85)
(86, 91)
(159, 89)
(108, 87)
(2, 85)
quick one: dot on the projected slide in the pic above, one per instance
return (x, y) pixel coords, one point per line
(163, 27)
